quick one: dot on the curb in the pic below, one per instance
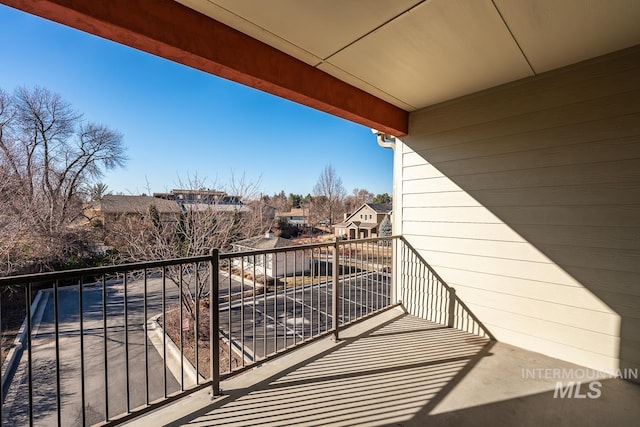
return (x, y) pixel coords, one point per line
(20, 342)
(155, 333)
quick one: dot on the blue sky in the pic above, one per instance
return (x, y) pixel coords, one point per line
(179, 122)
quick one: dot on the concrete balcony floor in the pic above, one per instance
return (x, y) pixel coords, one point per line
(395, 369)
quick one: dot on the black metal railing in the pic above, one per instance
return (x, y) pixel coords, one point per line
(289, 296)
(102, 345)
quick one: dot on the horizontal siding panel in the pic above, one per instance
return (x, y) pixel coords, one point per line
(411, 158)
(564, 123)
(621, 171)
(603, 259)
(597, 216)
(450, 214)
(438, 199)
(604, 77)
(582, 236)
(600, 322)
(564, 155)
(544, 272)
(598, 280)
(556, 349)
(522, 250)
(420, 171)
(562, 195)
(460, 230)
(533, 289)
(429, 185)
(593, 342)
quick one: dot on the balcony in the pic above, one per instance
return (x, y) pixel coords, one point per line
(359, 332)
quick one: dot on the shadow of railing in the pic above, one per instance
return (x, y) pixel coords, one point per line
(381, 377)
(425, 294)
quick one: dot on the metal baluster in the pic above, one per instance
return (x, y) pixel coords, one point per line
(264, 306)
(164, 336)
(82, 388)
(214, 323)
(242, 349)
(253, 309)
(196, 323)
(275, 312)
(230, 318)
(56, 311)
(295, 300)
(146, 339)
(29, 351)
(126, 340)
(319, 291)
(311, 314)
(104, 350)
(302, 286)
(334, 292)
(197, 326)
(286, 324)
(180, 327)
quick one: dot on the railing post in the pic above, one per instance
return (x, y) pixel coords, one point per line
(334, 292)
(452, 307)
(214, 322)
(395, 269)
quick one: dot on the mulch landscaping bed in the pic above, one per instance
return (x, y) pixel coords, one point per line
(13, 313)
(173, 326)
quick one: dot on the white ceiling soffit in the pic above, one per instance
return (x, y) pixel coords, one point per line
(555, 33)
(437, 51)
(416, 53)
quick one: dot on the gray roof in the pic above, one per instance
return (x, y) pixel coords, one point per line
(263, 242)
(381, 208)
(112, 204)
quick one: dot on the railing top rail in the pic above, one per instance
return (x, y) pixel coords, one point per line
(228, 255)
(96, 271)
(117, 268)
(367, 240)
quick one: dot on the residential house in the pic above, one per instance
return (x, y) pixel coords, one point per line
(192, 196)
(364, 222)
(272, 264)
(112, 207)
(298, 217)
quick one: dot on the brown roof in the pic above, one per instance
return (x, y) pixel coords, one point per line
(112, 204)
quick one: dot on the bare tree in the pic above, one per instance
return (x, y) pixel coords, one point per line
(216, 222)
(357, 198)
(47, 153)
(330, 194)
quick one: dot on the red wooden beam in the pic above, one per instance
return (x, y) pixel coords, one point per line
(173, 31)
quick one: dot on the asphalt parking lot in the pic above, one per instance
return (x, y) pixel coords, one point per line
(280, 320)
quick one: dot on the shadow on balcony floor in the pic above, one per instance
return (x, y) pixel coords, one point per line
(396, 369)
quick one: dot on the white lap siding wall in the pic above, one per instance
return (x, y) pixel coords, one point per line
(526, 199)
